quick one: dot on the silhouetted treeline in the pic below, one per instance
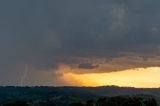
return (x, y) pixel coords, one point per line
(104, 101)
(78, 96)
(119, 101)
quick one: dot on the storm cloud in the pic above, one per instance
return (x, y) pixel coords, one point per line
(87, 66)
(46, 33)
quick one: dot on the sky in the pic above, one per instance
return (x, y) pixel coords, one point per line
(80, 43)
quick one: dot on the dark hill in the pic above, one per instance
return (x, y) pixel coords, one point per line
(66, 95)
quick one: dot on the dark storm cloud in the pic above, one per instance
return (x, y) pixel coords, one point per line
(45, 33)
(87, 66)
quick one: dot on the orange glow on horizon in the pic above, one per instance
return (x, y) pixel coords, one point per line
(139, 78)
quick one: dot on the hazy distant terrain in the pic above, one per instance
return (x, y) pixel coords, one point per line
(62, 96)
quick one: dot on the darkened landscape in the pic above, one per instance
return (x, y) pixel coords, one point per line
(78, 96)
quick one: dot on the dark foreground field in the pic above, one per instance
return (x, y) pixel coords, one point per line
(78, 96)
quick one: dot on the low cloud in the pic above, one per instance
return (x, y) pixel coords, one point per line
(104, 36)
(87, 66)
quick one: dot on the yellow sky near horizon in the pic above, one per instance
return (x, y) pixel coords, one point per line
(139, 78)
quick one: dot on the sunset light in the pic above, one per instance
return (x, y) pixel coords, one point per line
(139, 78)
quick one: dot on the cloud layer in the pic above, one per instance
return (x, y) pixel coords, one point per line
(95, 34)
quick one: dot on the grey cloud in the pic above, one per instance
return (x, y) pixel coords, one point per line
(45, 33)
(87, 66)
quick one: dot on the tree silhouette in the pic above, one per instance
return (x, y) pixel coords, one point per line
(76, 104)
(126, 101)
(17, 103)
(151, 102)
(90, 103)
